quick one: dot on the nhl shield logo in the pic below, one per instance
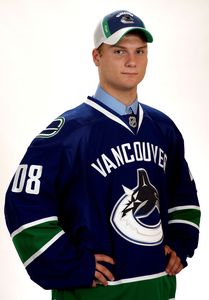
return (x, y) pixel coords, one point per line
(132, 121)
(136, 215)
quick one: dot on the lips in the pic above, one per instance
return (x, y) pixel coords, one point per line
(125, 73)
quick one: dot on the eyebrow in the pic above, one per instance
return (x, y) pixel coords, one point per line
(123, 47)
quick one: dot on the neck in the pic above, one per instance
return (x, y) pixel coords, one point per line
(125, 96)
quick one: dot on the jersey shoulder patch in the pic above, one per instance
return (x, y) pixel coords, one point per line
(53, 128)
(71, 120)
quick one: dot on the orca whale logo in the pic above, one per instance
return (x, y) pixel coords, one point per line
(127, 19)
(136, 215)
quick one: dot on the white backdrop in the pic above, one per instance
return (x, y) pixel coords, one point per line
(46, 68)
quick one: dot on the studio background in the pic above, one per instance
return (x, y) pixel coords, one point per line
(46, 68)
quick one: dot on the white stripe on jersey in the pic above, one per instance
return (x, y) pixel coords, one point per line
(136, 279)
(113, 117)
(44, 248)
(31, 224)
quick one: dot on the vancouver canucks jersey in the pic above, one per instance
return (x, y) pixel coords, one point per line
(91, 183)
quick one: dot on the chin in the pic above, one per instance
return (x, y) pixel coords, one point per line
(132, 83)
(130, 86)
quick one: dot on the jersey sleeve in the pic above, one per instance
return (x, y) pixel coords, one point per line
(32, 211)
(184, 210)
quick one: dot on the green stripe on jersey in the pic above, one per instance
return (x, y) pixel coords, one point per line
(30, 240)
(162, 288)
(189, 215)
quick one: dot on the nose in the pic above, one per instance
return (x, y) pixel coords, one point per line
(131, 61)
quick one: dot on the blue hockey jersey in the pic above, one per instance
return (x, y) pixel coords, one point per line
(90, 183)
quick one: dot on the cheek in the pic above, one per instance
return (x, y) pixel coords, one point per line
(145, 63)
(143, 66)
(110, 69)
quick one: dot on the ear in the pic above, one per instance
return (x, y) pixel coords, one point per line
(96, 57)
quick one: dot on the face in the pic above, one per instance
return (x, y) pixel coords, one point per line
(122, 66)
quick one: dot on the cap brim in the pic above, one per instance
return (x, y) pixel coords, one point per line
(115, 37)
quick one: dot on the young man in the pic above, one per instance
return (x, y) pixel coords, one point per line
(103, 205)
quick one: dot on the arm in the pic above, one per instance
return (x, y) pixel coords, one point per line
(184, 211)
(32, 211)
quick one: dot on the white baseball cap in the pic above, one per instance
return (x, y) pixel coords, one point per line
(115, 25)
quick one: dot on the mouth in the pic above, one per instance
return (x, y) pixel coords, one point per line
(129, 74)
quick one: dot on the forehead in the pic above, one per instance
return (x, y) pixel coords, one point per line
(138, 33)
(132, 38)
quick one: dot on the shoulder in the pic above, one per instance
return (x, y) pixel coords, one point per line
(162, 121)
(80, 115)
(158, 117)
(68, 124)
(155, 114)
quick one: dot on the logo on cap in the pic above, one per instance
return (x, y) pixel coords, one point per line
(127, 19)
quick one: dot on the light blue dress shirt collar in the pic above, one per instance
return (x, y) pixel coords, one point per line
(114, 104)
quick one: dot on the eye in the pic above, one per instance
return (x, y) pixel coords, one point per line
(119, 51)
(140, 51)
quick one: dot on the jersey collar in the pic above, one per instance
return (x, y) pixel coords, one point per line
(109, 113)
